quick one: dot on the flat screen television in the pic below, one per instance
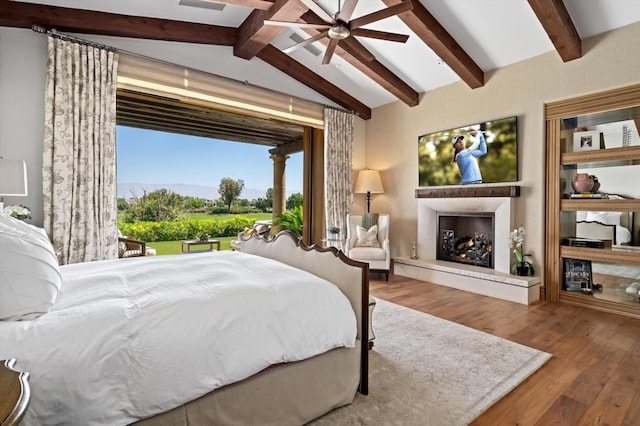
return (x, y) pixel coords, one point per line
(499, 164)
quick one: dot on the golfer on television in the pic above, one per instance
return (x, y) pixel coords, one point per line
(467, 158)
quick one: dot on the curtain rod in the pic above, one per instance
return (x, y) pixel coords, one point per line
(54, 33)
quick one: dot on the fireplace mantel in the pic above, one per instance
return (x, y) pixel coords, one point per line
(470, 191)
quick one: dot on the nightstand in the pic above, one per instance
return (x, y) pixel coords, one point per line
(14, 393)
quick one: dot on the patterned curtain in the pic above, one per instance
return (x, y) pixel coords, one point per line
(338, 134)
(79, 157)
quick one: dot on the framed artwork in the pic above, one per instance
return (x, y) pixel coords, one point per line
(586, 141)
(577, 275)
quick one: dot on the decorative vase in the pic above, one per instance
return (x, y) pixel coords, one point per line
(583, 182)
(414, 251)
(522, 270)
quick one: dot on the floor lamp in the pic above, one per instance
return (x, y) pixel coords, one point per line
(368, 182)
(13, 179)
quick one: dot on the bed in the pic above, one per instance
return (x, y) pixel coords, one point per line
(104, 350)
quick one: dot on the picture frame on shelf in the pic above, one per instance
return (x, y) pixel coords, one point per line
(577, 275)
(586, 141)
(619, 134)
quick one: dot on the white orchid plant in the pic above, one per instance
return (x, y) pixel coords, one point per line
(18, 211)
(516, 243)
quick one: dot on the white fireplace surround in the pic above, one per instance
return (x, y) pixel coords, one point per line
(500, 206)
(497, 282)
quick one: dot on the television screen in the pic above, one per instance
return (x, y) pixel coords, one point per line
(478, 153)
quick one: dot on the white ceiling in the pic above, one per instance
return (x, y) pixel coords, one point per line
(494, 33)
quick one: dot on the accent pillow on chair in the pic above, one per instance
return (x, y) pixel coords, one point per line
(369, 245)
(367, 237)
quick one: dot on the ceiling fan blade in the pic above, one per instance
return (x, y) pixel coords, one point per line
(329, 52)
(381, 35)
(396, 9)
(296, 24)
(305, 42)
(347, 10)
(313, 6)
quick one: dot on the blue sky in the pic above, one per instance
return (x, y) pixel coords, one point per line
(152, 157)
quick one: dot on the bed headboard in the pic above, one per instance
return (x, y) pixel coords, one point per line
(350, 276)
(596, 230)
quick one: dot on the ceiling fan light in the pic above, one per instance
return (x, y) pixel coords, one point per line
(338, 32)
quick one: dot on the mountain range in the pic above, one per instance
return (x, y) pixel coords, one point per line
(129, 189)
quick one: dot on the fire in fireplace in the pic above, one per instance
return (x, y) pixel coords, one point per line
(466, 238)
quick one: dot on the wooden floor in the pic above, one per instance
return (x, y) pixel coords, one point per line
(593, 377)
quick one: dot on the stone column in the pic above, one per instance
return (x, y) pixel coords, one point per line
(279, 184)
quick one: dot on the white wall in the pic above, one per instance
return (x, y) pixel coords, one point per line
(609, 60)
(22, 69)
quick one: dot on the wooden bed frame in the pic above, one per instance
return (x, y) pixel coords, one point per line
(298, 392)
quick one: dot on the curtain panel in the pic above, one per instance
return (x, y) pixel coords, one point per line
(79, 155)
(338, 131)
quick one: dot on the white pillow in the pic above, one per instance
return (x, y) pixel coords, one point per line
(367, 237)
(30, 277)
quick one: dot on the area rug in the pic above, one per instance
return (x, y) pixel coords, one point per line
(424, 370)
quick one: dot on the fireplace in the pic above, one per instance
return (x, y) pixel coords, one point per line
(492, 239)
(499, 208)
(465, 238)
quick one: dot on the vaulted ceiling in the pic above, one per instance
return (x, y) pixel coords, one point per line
(449, 41)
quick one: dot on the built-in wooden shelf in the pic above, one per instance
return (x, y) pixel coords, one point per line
(611, 154)
(471, 191)
(600, 205)
(579, 299)
(629, 256)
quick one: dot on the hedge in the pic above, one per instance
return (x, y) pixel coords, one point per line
(189, 229)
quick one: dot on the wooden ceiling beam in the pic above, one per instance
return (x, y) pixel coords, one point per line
(425, 26)
(288, 148)
(555, 20)
(349, 48)
(254, 35)
(304, 75)
(25, 15)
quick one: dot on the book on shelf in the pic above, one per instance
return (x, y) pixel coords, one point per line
(577, 275)
(586, 242)
(599, 195)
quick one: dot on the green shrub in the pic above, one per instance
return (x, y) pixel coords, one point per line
(219, 210)
(185, 230)
(291, 220)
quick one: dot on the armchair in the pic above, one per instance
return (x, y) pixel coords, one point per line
(130, 247)
(378, 258)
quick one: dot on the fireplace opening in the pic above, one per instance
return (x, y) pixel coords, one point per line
(465, 238)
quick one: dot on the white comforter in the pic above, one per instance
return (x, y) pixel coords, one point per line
(130, 338)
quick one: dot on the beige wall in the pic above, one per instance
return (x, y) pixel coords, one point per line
(609, 60)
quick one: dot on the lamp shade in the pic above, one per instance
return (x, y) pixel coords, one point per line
(13, 177)
(368, 182)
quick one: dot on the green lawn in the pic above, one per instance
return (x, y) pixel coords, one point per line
(173, 247)
(207, 216)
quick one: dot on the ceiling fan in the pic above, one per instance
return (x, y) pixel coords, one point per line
(341, 26)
